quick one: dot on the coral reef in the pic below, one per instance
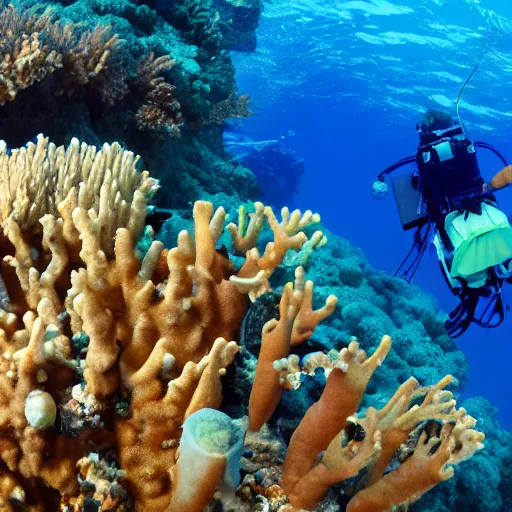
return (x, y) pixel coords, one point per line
(37, 46)
(115, 356)
(119, 379)
(372, 304)
(102, 351)
(94, 62)
(152, 75)
(402, 306)
(425, 439)
(420, 443)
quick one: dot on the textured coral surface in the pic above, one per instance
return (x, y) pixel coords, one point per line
(103, 352)
(154, 76)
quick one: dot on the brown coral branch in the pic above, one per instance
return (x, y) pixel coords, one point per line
(87, 60)
(33, 47)
(342, 394)
(161, 111)
(296, 324)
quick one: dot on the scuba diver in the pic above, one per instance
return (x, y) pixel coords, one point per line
(448, 202)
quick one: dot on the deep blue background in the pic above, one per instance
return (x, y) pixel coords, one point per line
(353, 105)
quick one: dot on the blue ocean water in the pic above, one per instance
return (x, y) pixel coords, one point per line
(344, 84)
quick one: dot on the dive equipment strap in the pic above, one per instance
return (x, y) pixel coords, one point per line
(396, 165)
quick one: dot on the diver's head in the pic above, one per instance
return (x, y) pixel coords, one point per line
(434, 120)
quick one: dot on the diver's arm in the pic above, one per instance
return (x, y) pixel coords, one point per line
(501, 180)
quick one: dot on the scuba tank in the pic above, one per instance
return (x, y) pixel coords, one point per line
(446, 175)
(448, 168)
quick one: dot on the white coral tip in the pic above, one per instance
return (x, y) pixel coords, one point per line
(40, 409)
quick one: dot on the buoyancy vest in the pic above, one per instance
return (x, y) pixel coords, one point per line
(462, 228)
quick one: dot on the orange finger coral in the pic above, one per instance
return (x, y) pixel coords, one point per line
(296, 324)
(419, 427)
(340, 399)
(102, 352)
(111, 364)
(430, 463)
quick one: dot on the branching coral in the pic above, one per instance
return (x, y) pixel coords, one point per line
(420, 429)
(333, 444)
(42, 179)
(296, 324)
(254, 274)
(94, 61)
(105, 360)
(30, 62)
(161, 110)
(101, 351)
(154, 342)
(36, 46)
(26, 60)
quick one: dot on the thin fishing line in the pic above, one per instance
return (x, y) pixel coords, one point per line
(469, 78)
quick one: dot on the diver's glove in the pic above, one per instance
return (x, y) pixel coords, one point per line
(380, 189)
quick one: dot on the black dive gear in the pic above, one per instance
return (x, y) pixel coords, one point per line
(447, 178)
(490, 297)
(448, 168)
(410, 159)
